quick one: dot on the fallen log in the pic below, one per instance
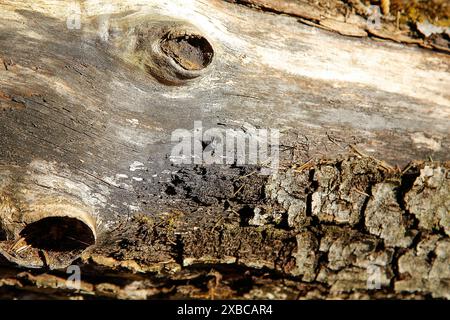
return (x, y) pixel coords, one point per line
(95, 98)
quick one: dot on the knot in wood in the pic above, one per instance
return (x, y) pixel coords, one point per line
(173, 52)
(190, 51)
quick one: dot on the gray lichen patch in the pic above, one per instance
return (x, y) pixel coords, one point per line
(427, 268)
(353, 261)
(333, 191)
(342, 189)
(306, 256)
(346, 247)
(385, 218)
(290, 190)
(429, 198)
(352, 279)
(354, 218)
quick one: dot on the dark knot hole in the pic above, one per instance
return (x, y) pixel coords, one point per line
(191, 52)
(58, 234)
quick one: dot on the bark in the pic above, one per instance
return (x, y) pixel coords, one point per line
(361, 197)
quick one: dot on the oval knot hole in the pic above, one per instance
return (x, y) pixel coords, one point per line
(58, 234)
(191, 52)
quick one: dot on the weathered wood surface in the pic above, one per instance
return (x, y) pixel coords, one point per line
(85, 133)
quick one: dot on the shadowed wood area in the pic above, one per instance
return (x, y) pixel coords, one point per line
(92, 94)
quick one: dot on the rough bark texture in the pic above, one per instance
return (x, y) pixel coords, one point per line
(86, 118)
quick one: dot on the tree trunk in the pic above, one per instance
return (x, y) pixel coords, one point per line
(95, 98)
